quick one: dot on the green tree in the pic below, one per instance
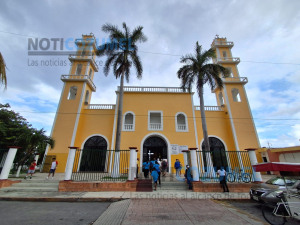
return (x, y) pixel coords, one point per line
(3, 78)
(121, 54)
(200, 70)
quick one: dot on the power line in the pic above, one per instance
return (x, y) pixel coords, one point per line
(158, 53)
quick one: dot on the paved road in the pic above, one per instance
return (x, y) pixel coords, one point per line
(50, 213)
(255, 209)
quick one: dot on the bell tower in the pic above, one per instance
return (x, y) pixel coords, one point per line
(75, 96)
(233, 97)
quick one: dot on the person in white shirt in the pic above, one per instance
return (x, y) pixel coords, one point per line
(222, 178)
(53, 168)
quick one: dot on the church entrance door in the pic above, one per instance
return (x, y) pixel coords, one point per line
(155, 147)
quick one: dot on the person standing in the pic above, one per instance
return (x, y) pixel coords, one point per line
(156, 167)
(146, 169)
(177, 167)
(31, 169)
(137, 167)
(164, 167)
(154, 175)
(222, 178)
(53, 168)
(188, 177)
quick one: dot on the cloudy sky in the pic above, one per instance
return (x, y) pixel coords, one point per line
(265, 35)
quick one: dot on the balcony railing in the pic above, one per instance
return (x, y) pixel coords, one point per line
(79, 78)
(89, 58)
(100, 106)
(86, 42)
(128, 126)
(223, 44)
(235, 80)
(155, 126)
(210, 108)
(234, 60)
(181, 127)
(153, 89)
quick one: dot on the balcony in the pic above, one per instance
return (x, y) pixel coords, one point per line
(85, 58)
(153, 89)
(242, 80)
(86, 42)
(210, 108)
(128, 127)
(155, 126)
(100, 106)
(222, 44)
(233, 60)
(181, 127)
(85, 78)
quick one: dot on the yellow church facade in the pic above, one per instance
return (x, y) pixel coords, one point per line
(161, 121)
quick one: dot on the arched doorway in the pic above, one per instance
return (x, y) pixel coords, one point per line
(94, 154)
(157, 147)
(218, 153)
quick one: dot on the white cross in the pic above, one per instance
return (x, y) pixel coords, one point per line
(150, 154)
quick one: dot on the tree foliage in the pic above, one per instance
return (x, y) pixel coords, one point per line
(3, 78)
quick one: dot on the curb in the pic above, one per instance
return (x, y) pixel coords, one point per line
(61, 199)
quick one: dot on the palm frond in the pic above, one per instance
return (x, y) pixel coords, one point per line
(3, 78)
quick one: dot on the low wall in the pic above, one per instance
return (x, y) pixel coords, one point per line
(71, 186)
(8, 183)
(216, 187)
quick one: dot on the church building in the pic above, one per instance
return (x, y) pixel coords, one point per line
(160, 121)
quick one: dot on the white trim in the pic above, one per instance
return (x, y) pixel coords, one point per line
(226, 149)
(231, 120)
(100, 135)
(114, 132)
(52, 129)
(123, 127)
(87, 68)
(71, 68)
(186, 122)
(168, 145)
(218, 52)
(161, 120)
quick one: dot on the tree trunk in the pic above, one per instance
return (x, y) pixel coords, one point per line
(120, 112)
(205, 134)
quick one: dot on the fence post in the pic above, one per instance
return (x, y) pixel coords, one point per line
(132, 163)
(253, 160)
(136, 164)
(116, 170)
(8, 162)
(185, 159)
(70, 163)
(194, 167)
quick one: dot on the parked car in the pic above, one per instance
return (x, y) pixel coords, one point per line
(266, 192)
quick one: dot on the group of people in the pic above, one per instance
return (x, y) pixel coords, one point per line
(32, 166)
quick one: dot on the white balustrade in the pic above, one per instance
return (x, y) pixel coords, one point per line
(226, 43)
(235, 79)
(210, 108)
(154, 89)
(128, 126)
(79, 78)
(84, 57)
(155, 126)
(100, 106)
(228, 59)
(181, 127)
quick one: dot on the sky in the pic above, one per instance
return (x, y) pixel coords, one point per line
(265, 35)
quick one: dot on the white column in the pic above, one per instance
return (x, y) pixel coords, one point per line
(18, 172)
(36, 158)
(253, 160)
(132, 163)
(8, 162)
(185, 159)
(116, 170)
(194, 167)
(70, 163)
(135, 160)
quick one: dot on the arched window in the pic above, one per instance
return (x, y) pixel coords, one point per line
(230, 71)
(87, 96)
(225, 55)
(181, 122)
(221, 99)
(78, 69)
(236, 95)
(90, 73)
(72, 92)
(216, 153)
(93, 155)
(129, 121)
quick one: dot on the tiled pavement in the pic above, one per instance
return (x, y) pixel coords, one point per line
(151, 211)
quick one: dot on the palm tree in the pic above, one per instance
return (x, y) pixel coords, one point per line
(3, 79)
(121, 54)
(199, 70)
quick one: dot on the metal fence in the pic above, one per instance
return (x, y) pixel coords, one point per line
(3, 155)
(101, 165)
(236, 163)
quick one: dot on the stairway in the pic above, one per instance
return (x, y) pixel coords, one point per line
(32, 185)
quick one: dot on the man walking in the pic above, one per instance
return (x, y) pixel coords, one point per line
(31, 169)
(156, 167)
(222, 179)
(53, 168)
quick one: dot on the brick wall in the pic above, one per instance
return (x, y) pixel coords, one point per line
(8, 183)
(216, 187)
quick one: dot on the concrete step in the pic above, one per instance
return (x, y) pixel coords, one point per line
(39, 181)
(27, 184)
(29, 189)
(173, 187)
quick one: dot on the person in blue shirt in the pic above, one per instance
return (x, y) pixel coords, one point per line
(188, 176)
(146, 166)
(152, 162)
(154, 175)
(156, 167)
(177, 167)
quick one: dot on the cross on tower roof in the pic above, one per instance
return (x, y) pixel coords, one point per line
(217, 36)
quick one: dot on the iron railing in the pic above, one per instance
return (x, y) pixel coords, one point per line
(3, 155)
(101, 165)
(236, 163)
